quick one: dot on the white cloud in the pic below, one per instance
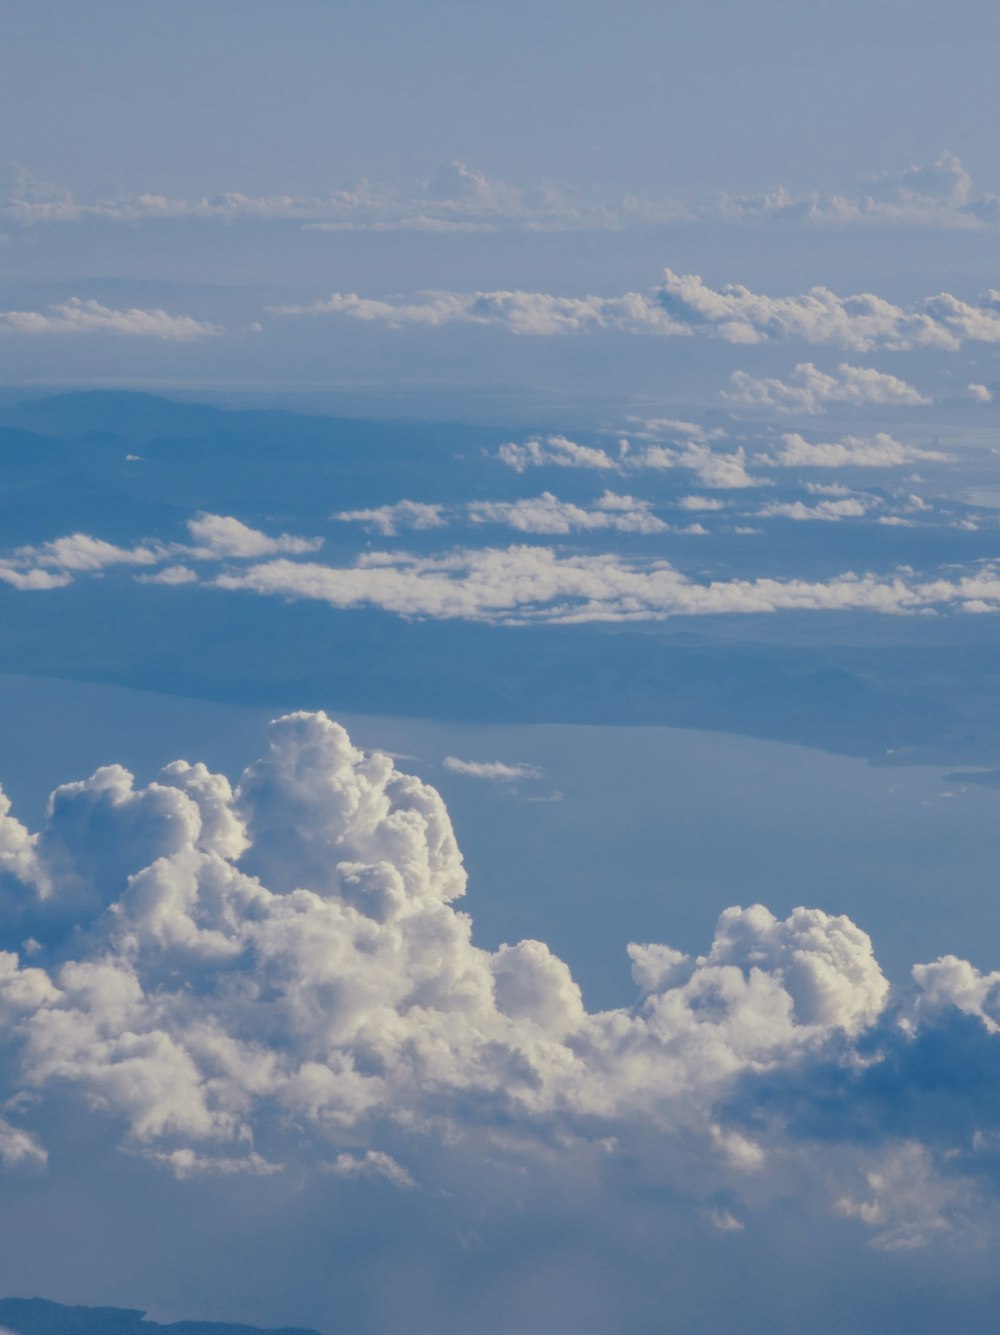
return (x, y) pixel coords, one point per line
(459, 198)
(683, 304)
(27, 580)
(373, 1163)
(556, 452)
(979, 393)
(531, 313)
(290, 950)
(224, 536)
(716, 468)
(76, 316)
(52, 565)
(389, 519)
(811, 390)
(548, 514)
(285, 964)
(494, 770)
(859, 322)
(878, 451)
(170, 575)
(850, 507)
(527, 583)
(908, 1203)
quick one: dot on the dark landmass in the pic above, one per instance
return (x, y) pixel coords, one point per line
(37, 1316)
(890, 689)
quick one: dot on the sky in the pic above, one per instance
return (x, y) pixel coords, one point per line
(499, 594)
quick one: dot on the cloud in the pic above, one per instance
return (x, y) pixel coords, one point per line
(27, 580)
(907, 1203)
(529, 313)
(878, 451)
(284, 963)
(556, 452)
(461, 198)
(849, 507)
(722, 469)
(224, 536)
(374, 1163)
(683, 304)
(811, 390)
(389, 519)
(175, 575)
(938, 195)
(529, 583)
(494, 770)
(456, 198)
(52, 565)
(861, 322)
(548, 514)
(76, 316)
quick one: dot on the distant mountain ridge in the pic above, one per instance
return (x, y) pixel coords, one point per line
(37, 1316)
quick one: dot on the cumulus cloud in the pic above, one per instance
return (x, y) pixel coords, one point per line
(555, 452)
(462, 198)
(716, 468)
(456, 198)
(53, 565)
(878, 451)
(862, 322)
(494, 770)
(548, 514)
(849, 507)
(170, 575)
(285, 961)
(938, 194)
(222, 536)
(389, 519)
(77, 316)
(528, 583)
(810, 390)
(683, 304)
(532, 313)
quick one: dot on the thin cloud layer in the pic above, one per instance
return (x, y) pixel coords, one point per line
(493, 770)
(460, 198)
(210, 968)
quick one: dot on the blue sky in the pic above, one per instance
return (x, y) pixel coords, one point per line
(499, 593)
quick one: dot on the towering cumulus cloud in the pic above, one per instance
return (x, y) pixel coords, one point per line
(234, 980)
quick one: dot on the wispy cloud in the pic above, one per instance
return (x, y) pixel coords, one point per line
(493, 770)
